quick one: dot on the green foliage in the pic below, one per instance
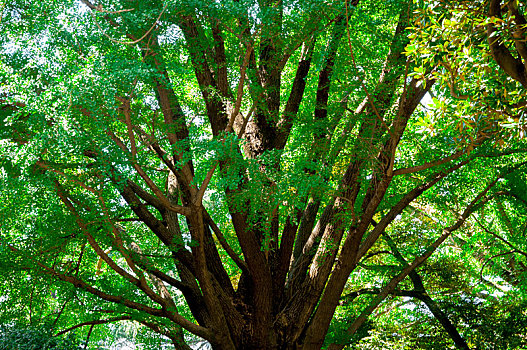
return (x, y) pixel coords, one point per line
(95, 101)
(449, 40)
(490, 325)
(20, 337)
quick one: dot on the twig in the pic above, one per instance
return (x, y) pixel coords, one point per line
(99, 9)
(88, 336)
(201, 191)
(93, 323)
(490, 259)
(239, 94)
(500, 238)
(246, 119)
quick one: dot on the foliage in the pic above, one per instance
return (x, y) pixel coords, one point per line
(257, 174)
(32, 338)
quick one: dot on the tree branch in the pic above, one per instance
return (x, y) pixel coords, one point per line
(94, 322)
(390, 287)
(503, 57)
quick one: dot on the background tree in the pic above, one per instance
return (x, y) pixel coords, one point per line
(22, 338)
(251, 173)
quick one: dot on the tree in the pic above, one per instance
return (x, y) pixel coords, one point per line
(225, 169)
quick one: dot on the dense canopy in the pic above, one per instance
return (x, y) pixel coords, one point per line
(264, 174)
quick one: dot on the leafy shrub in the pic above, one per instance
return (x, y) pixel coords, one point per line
(19, 337)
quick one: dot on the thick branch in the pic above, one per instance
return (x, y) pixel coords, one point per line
(512, 66)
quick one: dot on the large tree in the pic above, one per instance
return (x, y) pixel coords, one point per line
(225, 168)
